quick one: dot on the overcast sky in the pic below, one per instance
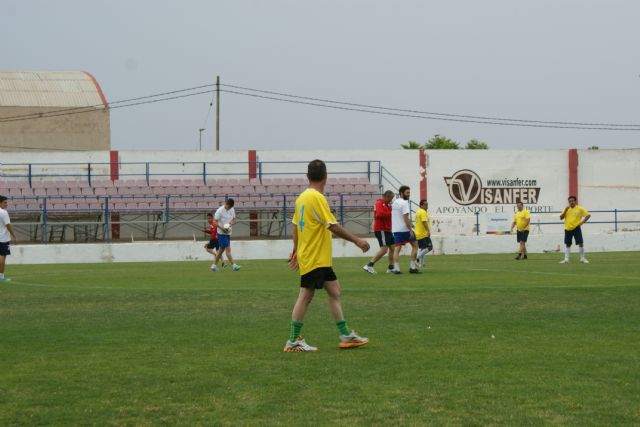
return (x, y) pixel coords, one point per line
(550, 60)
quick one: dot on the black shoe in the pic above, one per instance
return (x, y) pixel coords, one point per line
(525, 256)
(414, 271)
(518, 257)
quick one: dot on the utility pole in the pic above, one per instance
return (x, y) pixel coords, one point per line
(200, 140)
(218, 113)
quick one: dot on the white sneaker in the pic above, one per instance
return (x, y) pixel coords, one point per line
(214, 268)
(584, 261)
(564, 261)
(235, 267)
(5, 279)
(298, 346)
(352, 340)
(369, 269)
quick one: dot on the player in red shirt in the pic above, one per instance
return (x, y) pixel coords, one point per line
(382, 230)
(212, 231)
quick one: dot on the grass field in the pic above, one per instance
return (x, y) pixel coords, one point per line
(475, 340)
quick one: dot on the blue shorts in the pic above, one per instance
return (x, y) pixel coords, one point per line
(576, 234)
(425, 243)
(224, 241)
(5, 249)
(521, 236)
(402, 238)
(213, 244)
(385, 238)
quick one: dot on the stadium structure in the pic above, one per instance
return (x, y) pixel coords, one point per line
(49, 97)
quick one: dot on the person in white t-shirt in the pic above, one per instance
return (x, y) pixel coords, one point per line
(402, 231)
(225, 216)
(7, 236)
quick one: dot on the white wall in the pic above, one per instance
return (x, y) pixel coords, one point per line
(279, 249)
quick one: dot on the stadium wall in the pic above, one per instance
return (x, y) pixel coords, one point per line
(457, 183)
(279, 249)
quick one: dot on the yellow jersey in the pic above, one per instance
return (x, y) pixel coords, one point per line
(573, 217)
(312, 219)
(420, 230)
(520, 218)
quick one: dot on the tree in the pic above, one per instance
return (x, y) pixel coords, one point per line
(441, 143)
(411, 145)
(474, 144)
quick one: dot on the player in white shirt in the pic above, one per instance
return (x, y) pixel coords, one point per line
(402, 231)
(225, 216)
(7, 236)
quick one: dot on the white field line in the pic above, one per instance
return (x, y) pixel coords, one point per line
(550, 273)
(294, 288)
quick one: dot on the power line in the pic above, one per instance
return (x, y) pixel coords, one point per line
(329, 101)
(82, 110)
(97, 107)
(431, 117)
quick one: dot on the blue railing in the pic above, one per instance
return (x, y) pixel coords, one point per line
(615, 220)
(204, 170)
(46, 211)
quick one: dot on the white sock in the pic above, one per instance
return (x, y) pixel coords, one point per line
(396, 266)
(1, 275)
(412, 265)
(422, 253)
(567, 251)
(581, 252)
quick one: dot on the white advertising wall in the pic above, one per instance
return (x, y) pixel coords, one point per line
(462, 183)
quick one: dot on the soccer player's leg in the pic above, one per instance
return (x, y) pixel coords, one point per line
(413, 267)
(580, 243)
(568, 237)
(376, 257)
(348, 339)
(309, 282)
(4, 252)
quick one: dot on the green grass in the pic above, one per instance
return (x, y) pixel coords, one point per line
(174, 344)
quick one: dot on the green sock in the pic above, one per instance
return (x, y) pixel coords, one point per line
(296, 327)
(342, 327)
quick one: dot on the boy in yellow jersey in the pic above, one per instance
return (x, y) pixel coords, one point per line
(423, 232)
(313, 225)
(521, 221)
(574, 216)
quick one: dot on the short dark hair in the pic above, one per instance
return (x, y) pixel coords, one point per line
(519, 202)
(210, 214)
(575, 199)
(388, 193)
(316, 171)
(2, 199)
(423, 202)
(229, 202)
(403, 188)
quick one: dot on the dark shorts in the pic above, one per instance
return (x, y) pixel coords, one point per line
(576, 234)
(425, 243)
(4, 249)
(315, 278)
(213, 244)
(521, 236)
(224, 241)
(385, 238)
(401, 238)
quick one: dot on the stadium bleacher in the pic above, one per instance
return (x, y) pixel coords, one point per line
(178, 195)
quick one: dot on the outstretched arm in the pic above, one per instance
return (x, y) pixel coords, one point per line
(341, 232)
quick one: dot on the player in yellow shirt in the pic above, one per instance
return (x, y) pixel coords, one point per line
(521, 221)
(422, 228)
(313, 225)
(574, 216)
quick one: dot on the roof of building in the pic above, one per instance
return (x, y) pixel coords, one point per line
(50, 89)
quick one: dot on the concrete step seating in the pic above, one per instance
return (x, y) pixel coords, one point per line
(181, 194)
